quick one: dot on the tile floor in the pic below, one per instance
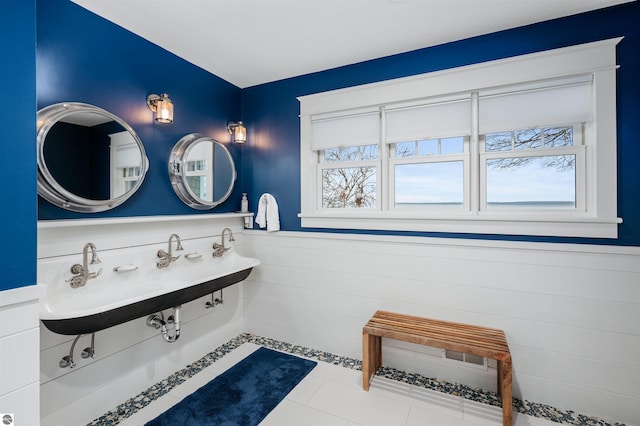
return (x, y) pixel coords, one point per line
(332, 395)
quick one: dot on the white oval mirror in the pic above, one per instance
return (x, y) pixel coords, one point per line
(201, 171)
(89, 160)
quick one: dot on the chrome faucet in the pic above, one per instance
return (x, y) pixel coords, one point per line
(81, 273)
(165, 258)
(219, 249)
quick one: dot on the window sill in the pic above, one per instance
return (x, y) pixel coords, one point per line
(585, 227)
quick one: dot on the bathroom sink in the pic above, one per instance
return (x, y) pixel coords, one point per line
(131, 286)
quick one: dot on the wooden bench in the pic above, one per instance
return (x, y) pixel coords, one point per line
(470, 339)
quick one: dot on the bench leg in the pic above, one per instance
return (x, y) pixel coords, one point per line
(367, 353)
(371, 357)
(505, 391)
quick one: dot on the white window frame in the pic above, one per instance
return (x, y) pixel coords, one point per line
(599, 218)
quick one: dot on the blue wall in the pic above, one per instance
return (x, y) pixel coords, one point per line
(271, 162)
(17, 143)
(84, 58)
(89, 59)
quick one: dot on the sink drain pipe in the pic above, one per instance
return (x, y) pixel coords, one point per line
(157, 321)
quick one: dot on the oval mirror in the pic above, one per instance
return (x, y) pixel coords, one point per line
(89, 160)
(201, 170)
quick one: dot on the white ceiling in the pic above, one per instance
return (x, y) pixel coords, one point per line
(250, 42)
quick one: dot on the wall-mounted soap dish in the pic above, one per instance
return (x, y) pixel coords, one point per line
(125, 268)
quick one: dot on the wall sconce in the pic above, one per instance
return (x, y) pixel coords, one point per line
(162, 106)
(238, 131)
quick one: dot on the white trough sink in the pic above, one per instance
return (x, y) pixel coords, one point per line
(131, 286)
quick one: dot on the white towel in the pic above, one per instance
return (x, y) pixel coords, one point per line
(268, 213)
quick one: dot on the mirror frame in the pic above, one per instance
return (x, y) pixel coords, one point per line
(178, 179)
(50, 189)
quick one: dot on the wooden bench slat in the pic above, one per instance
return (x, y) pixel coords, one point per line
(390, 316)
(430, 329)
(460, 346)
(491, 339)
(439, 337)
(435, 328)
(443, 335)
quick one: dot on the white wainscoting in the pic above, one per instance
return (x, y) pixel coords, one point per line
(19, 343)
(129, 358)
(571, 313)
(132, 356)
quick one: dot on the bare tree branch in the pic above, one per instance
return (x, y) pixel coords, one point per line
(531, 139)
(348, 187)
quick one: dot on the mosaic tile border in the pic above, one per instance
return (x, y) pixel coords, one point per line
(132, 405)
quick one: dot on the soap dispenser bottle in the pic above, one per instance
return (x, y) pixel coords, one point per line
(244, 203)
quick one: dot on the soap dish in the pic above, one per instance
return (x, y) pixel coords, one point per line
(193, 255)
(125, 268)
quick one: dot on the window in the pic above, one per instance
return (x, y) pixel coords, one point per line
(197, 178)
(349, 177)
(429, 173)
(124, 164)
(524, 145)
(535, 168)
(130, 176)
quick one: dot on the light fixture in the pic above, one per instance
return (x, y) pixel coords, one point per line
(238, 131)
(162, 106)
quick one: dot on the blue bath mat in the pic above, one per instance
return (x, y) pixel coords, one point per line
(241, 396)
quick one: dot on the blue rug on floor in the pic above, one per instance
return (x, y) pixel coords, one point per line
(241, 396)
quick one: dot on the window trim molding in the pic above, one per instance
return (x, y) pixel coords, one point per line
(600, 221)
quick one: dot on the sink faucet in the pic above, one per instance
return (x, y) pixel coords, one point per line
(81, 273)
(165, 258)
(219, 249)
